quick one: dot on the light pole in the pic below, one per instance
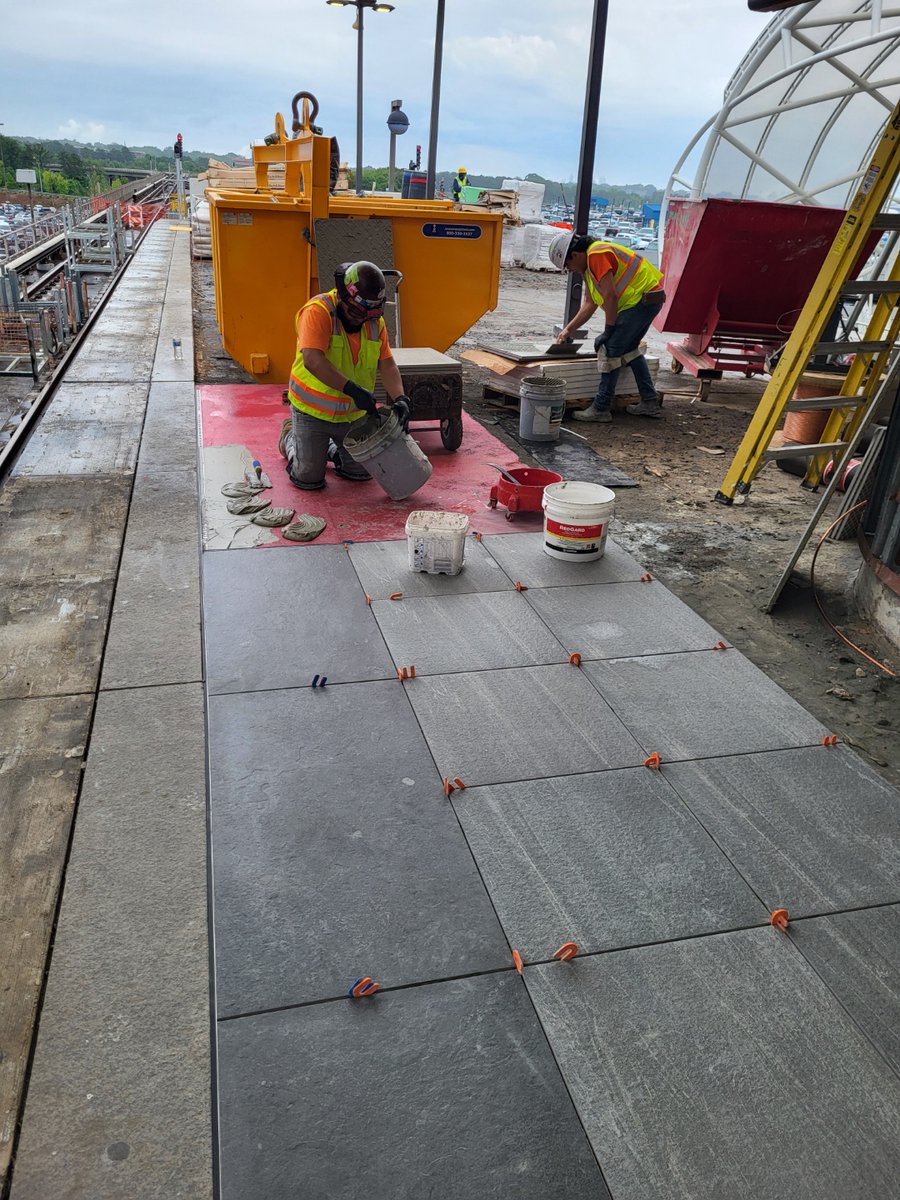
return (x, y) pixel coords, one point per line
(435, 100)
(360, 6)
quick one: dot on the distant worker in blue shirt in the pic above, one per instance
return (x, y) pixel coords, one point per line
(459, 183)
(629, 290)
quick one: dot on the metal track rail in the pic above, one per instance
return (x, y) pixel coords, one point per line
(31, 418)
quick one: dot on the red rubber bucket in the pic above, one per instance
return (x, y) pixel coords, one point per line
(526, 494)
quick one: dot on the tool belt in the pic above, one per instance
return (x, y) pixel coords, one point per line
(655, 298)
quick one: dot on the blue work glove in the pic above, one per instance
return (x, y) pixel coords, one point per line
(401, 407)
(360, 397)
(602, 338)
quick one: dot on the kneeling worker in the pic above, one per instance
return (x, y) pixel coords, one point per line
(342, 346)
(628, 289)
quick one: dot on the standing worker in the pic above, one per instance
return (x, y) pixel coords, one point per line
(342, 345)
(628, 289)
(459, 183)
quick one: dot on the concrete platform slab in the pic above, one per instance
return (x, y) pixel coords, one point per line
(335, 855)
(696, 705)
(522, 556)
(60, 540)
(721, 1067)
(169, 439)
(77, 447)
(810, 830)
(466, 633)
(119, 1098)
(121, 402)
(100, 369)
(524, 723)
(613, 620)
(447, 1090)
(252, 600)
(383, 568)
(604, 860)
(857, 955)
(42, 745)
(154, 634)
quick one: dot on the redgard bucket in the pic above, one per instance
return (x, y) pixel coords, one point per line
(576, 518)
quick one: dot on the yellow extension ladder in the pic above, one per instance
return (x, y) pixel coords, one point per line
(852, 407)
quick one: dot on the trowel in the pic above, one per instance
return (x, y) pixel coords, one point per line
(567, 349)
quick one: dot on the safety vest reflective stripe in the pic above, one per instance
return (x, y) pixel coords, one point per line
(309, 394)
(634, 275)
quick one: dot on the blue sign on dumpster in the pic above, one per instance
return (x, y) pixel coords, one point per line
(438, 230)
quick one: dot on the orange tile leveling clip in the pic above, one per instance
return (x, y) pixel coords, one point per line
(566, 951)
(575, 659)
(517, 961)
(779, 919)
(653, 761)
(363, 987)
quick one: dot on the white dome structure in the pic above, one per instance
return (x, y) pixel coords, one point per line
(804, 110)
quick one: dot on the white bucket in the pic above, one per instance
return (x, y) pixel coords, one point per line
(436, 541)
(390, 456)
(542, 406)
(576, 518)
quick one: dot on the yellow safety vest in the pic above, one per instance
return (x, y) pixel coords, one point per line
(311, 395)
(633, 277)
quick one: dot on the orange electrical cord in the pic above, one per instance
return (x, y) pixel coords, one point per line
(812, 584)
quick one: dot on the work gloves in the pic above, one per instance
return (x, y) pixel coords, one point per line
(602, 338)
(401, 407)
(361, 398)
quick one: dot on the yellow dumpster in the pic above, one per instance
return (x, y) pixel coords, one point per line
(265, 265)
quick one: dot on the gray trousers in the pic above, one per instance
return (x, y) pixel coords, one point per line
(307, 448)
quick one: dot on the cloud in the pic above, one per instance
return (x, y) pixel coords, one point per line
(512, 92)
(82, 131)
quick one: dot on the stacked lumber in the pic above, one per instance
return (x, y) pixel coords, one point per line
(221, 177)
(495, 200)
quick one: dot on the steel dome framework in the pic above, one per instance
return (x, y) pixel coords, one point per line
(804, 110)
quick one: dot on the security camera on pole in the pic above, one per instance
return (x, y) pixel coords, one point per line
(397, 123)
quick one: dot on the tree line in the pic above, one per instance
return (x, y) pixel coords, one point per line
(72, 169)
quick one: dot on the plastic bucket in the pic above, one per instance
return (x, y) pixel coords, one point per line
(576, 518)
(390, 456)
(542, 406)
(436, 541)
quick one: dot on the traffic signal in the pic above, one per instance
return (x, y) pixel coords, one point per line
(178, 147)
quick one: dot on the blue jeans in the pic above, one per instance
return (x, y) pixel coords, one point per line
(631, 325)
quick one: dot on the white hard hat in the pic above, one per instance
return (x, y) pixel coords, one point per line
(558, 249)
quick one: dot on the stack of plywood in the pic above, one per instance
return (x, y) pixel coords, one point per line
(221, 177)
(495, 201)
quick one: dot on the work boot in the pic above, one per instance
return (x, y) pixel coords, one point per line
(287, 426)
(599, 416)
(345, 466)
(646, 408)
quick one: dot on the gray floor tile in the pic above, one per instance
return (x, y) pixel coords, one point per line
(695, 705)
(857, 954)
(154, 635)
(447, 1091)
(335, 853)
(522, 556)
(613, 620)
(383, 568)
(810, 829)
(721, 1067)
(606, 860)
(466, 633)
(526, 723)
(274, 619)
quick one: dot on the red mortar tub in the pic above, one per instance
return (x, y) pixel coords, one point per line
(526, 494)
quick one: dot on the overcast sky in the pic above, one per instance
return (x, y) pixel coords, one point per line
(513, 76)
